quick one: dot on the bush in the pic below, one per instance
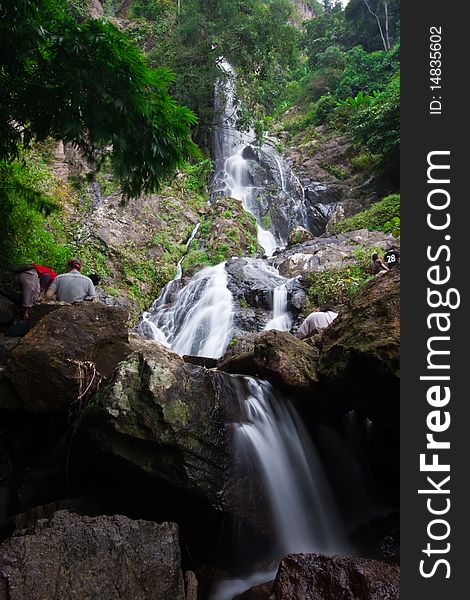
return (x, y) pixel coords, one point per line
(375, 218)
(30, 225)
(337, 286)
(378, 126)
(366, 71)
(365, 163)
(323, 109)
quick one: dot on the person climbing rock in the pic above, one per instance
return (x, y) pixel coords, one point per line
(71, 286)
(318, 319)
(46, 276)
(27, 278)
(392, 258)
(378, 265)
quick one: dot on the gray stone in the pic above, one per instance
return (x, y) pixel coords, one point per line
(85, 558)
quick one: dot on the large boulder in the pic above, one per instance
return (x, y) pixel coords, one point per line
(299, 235)
(163, 417)
(278, 356)
(79, 557)
(167, 423)
(361, 349)
(330, 252)
(66, 350)
(319, 577)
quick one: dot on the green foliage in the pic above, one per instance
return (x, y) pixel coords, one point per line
(243, 302)
(87, 84)
(266, 221)
(254, 35)
(324, 78)
(336, 286)
(151, 9)
(363, 25)
(365, 163)
(393, 226)
(195, 260)
(323, 109)
(94, 256)
(327, 30)
(374, 218)
(196, 175)
(296, 237)
(361, 100)
(336, 171)
(366, 71)
(378, 127)
(232, 342)
(30, 225)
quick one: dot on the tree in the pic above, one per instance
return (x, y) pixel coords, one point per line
(378, 126)
(375, 21)
(85, 83)
(384, 31)
(255, 36)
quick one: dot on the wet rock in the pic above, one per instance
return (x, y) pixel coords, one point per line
(201, 361)
(287, 361)
(298, 236)
(71, 556)
(162, 416)
(8, 311)
(319, 577)
(361, 349)
(258, 592)
(95, 9)
(6, 346)
(380, 538)
(276, 355)
(56, 360)
(252, 281)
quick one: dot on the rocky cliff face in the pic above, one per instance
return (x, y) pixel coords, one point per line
(71, 556)
(306, 12)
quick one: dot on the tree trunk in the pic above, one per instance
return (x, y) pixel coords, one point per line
(385, 40)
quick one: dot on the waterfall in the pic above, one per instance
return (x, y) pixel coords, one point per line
(281, 319)
(281, 173)
(232, 177)
(199, 322)
(301, 502)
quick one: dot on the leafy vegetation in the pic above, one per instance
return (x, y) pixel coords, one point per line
(336, 286)
(87, 84)
(379, 217)
(226, 230)
(30, 224)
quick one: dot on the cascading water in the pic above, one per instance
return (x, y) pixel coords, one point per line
(232, 176)
(281, 319)
(302, 506)
(199, 322)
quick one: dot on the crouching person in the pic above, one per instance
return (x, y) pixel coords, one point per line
(71, 286)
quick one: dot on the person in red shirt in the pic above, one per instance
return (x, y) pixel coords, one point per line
(46, 276)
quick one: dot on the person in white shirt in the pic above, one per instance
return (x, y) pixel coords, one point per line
(71, 286)
(318, 319)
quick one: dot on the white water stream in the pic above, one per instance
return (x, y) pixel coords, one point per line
(301, 502)
(281, 319)
(198, 320)
(233, 175)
